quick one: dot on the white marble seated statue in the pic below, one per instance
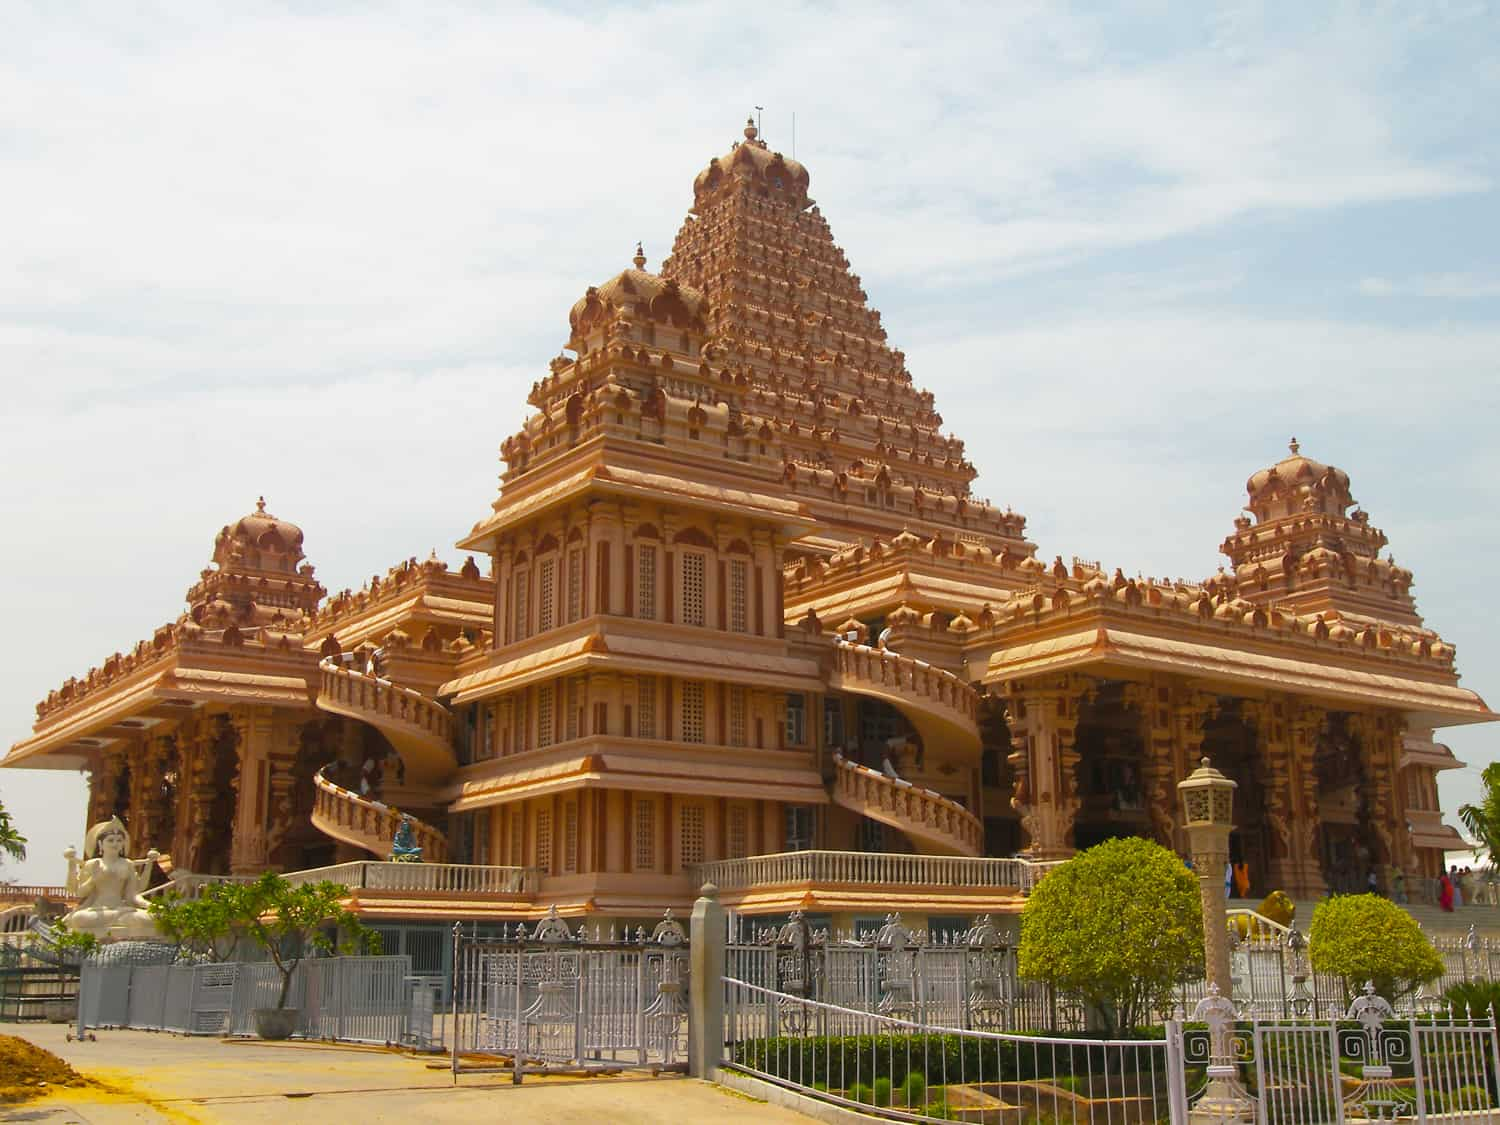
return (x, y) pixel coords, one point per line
(109, 886)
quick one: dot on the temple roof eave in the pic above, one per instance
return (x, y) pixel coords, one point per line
(656, 654)
(1102, 646)
(791, 516)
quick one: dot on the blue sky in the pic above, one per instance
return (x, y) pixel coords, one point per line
(321, 254)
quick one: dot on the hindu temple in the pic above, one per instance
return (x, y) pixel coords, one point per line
(737, 615)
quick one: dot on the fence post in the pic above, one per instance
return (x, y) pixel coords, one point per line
(706, 984)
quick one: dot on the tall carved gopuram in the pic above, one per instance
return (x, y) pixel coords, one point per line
(745, 620)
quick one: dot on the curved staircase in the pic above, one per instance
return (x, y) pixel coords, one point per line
(352, 819)
(419, 728)
(943, 708)
(941, 826)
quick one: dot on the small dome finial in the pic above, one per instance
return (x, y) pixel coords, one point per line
(640, 257)
(1293, 446)
(751, 132)
(260, 504)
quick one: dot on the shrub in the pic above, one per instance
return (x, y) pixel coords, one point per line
(1360, 938)
(1473, 999)
(937, 1059)
(1119, 925)
(860, 1092)
(914, 1089)
(882, 1091)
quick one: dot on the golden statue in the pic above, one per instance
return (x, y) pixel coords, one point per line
(109, 886)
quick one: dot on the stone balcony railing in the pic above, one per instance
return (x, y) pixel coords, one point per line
(431, 878)
(871, 869)
(368, 824)
(420, 728)
(922, 814)
(924, 693)
(30, 892)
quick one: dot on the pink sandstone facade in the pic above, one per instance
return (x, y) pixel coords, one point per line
(743, 619)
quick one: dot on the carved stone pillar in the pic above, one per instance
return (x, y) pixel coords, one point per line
(104, 782)
(1043, 722)
(150, 818)
(1159, 774)
(1286, 862)
(1307, 724)
(1383, 810)
(281, 778)
(253, 728)
(606, 539)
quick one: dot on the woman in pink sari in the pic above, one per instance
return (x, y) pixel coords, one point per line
(1445, 892)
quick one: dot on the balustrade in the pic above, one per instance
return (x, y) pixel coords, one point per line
(372, 695)
(870, 869)
(369, 824)
(920, 812)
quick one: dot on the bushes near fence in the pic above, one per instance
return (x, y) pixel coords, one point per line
(918, 1060)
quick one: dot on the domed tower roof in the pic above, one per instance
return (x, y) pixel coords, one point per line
(260, 540)
(1298, 484)
(1306, 549)
(644, 295)
(258, 576)
(751, 164)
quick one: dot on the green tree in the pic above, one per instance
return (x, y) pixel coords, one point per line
(1483, 820)
(210, 926)
(287, 922)
(1360, 938)
(1119, 925)
(12, 843)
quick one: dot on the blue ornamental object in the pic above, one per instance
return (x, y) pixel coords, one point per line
(404, 847)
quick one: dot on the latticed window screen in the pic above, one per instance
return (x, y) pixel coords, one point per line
(523, 735)
(645, 583)
(575, 704)
(517, 838)
(737, 723)
(692, 711)
(546, 601)
(544, 720)
(796, 720)
(519, 604)
(482, 836)
(690, 834)
(739, 572)
(738, 832)
(692, 588)
(570, 837)
(645, 707)
(575, 584)
(544, 839)
(645, 835)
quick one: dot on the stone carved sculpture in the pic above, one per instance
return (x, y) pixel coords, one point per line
(109, 886)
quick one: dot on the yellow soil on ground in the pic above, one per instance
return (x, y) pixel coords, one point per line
(27, 1071)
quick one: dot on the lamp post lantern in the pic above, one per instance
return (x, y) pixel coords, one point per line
(1207, 798)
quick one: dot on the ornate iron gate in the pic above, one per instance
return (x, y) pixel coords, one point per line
(557, 998)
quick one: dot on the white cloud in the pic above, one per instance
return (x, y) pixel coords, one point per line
(1457, 286)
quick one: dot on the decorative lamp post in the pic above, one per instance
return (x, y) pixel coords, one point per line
(1207, 798)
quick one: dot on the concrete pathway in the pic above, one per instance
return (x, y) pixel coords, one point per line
(159, 1077)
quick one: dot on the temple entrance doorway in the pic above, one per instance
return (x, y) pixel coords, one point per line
(1111, 793)
(1231, 745)
(1346, 849)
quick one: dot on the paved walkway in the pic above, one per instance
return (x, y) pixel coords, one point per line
(158, 1077)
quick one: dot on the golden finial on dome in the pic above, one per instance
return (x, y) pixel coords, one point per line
(640, 257)
(1293, 446)
(260, 504)
(751, 132)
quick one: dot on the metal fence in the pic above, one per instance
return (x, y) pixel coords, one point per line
(902, 1070)
(557, 998)
(350, 999)
(969, 979)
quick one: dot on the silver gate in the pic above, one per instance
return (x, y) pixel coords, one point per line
(552, 997)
